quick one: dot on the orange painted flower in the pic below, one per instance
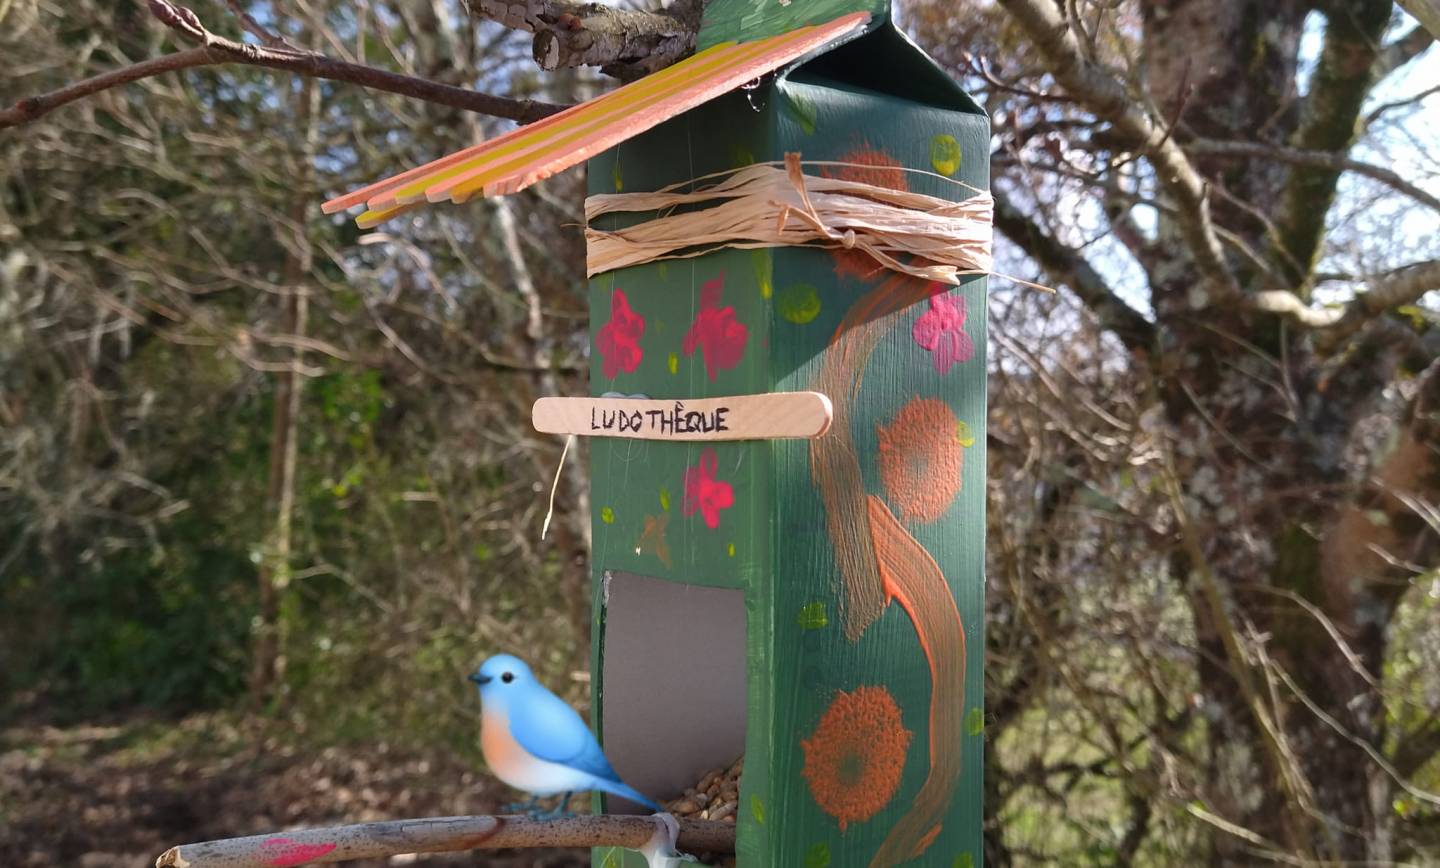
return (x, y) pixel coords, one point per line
(921, 459)
(855, 757)
(652, 538)
(868, 166)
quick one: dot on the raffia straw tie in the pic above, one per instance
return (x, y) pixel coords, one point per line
(770, 205)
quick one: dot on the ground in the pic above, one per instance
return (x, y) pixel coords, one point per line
(119, 794)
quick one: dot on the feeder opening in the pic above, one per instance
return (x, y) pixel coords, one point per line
(672, 682)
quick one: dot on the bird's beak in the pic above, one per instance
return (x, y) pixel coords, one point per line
(479, 679)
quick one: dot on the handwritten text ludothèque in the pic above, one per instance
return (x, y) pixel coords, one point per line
(670, 421)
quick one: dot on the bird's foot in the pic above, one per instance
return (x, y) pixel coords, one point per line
(557, 813)
(528, 808)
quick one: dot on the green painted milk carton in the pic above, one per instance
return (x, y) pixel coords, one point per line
(815, 606)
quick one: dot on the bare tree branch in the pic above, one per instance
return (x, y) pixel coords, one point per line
(1316, 159)
(1400, 287)
(215, 50)
(625, 43)
(442, 835)
(258, 30)
(1328, 122)
(1403, 50)
(1065, 265)
(1427, 12)
(1418, 747)
(1108, 98)
(1404, 102)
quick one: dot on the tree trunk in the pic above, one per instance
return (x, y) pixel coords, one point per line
(273, 576)
(1257, 434)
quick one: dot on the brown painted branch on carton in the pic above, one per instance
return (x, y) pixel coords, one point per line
(212, 50)
(441, 835)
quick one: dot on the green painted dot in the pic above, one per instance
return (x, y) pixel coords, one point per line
(802, 111)
(813, 616)
(818, 856)
(764, 271)
(964, 435)
(799, 303)
(663, 268)
(757, 809)
(607, 515)
(975, 721)
(945, 154)
(964, 860)
(665, 499)
(673, 363)
(730, 550)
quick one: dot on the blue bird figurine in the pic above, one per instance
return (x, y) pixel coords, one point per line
(536, 743)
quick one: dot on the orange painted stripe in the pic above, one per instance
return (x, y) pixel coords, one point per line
(776, 53)
(376, 217)
(373, 191)
(421, 180)
(555, 143)
(619, 119)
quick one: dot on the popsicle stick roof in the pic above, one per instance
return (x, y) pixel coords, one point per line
(513, 161)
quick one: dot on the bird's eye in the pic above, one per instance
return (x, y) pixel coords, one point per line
(508, 677)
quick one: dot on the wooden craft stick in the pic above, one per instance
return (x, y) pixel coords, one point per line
(780, 415)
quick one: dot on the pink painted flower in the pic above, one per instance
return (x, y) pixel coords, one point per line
(716, 331)
(284, 852)
(941, 330)
(619, 339)
(704, 493)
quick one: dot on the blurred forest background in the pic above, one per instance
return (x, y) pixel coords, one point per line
(268, 488)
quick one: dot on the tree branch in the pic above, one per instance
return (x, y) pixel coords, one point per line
(1328, 122)
(1400, 287)
(625, 43)
(1427, 12)
(1314, 159)
(256, 29)
(442, 835)
(1364, 549)
(1108, 98)
(213, 50)
(1416, 749)
(1402, 51)
(30, 108)
(1065, 266)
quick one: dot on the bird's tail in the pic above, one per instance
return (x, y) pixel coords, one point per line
(629, 793)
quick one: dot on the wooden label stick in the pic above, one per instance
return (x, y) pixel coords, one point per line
(779, 415)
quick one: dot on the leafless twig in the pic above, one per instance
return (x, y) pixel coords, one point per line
(442, 835)
(213, 50)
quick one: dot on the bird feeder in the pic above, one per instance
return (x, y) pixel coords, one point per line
(788, 411)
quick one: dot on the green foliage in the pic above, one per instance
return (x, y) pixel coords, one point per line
(136, 505)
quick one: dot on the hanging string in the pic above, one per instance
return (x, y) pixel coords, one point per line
(554, 486)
